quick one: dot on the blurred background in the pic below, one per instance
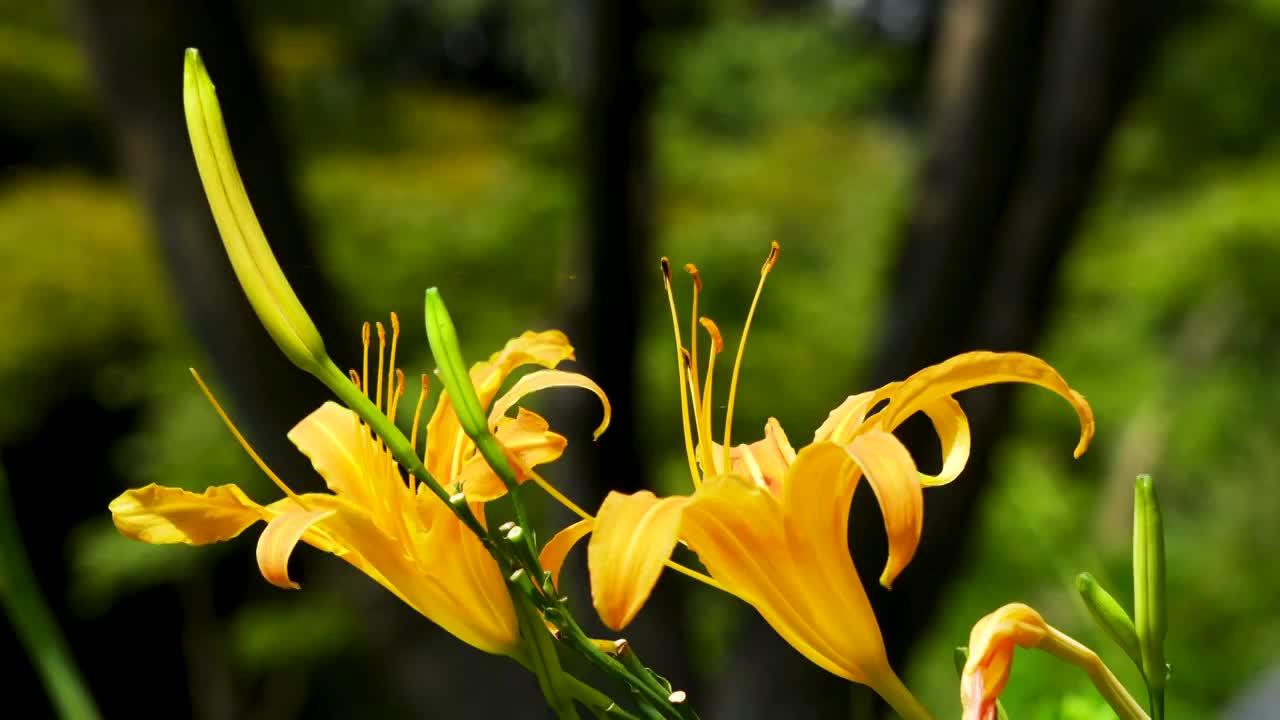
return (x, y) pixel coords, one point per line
(1088, 180)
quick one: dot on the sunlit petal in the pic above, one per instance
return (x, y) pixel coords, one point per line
(157, 514)
(444, 435)
(329, 436)
(544, 379)
(784, 565)
(277, 541)
(952, 427)
(842, 422)
(527, 438)
(975, 369)
(634, 535)
(557, 548)
(892, 474)
(764, 461)
(991, 646)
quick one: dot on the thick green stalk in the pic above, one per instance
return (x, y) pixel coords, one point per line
(543, 661)
(1149, 588)
(35, 624)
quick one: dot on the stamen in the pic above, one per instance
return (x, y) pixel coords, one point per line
(394, 402)
(391, 365)
(355, 377)
(704, 433)
(364, 374)
(680, 370)
(717, 346)
(413, 434)
(742, 344)
(245, 443)
(382, 350)
(693, 340)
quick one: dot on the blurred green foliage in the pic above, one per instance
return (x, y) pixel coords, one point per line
(1169, 321)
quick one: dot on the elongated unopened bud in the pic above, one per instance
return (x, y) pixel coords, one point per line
(443, 339)
(255, 266)
(1110, 616)
(1149, 583)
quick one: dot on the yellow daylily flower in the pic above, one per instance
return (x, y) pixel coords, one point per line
(393, 530)
(991, 645)
(770, 523)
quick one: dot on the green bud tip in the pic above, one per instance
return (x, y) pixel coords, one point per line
(260, 276)
(515, 533)
(1109, 615)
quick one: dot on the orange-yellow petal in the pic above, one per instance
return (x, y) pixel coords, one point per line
(557, 548)
(544, 379)
(277, 541)
(527, 439)
(952, 427)
(779, 557)
(764, 461)
(975, 369)
(157, 514)
(842, 422)
(991, 646)
(892, 474)
(634, 535)
(547, 349)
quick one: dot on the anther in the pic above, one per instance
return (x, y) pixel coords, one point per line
(382, 350)
(697, 277)
(364, 374)
(666, 271)
(355, 377)
(717, 341)
(772, 260)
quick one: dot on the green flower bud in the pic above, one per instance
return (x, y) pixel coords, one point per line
(443, 339)
(1149, 586)
(255, 266)
(1110, 616)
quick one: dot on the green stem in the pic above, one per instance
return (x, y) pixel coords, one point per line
(891, 689)
(1109, 687)
(35, 624)
(599, 703)
(398, 444)
(542, 657)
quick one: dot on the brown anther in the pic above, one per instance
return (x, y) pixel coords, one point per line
(688, 359)
(355, 376)
(772, 259)
(364, 333)
(425, 383)
(716, 340)
(666, 271)
(697, 277)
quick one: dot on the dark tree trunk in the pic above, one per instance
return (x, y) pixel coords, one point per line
(612, 266)
(1025, 97)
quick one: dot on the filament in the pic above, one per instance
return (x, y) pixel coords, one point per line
(245, 443)
(382, 350)
(742, 344)
(680, 369)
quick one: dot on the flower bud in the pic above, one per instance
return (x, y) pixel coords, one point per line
(1149, 584)
(443, 339)
(1110, 616)
(255, 266)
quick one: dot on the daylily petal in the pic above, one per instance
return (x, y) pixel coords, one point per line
(543, 379)
(634, 535)
(764, 461)
(353, 464)
(975, 369)
(277, 541)
(159, 515)
(892, 474)
(952, 427)
(842, 422)
(991, 646)
(740, 534)
(557, 548)
(445, 437)
(527, 439)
